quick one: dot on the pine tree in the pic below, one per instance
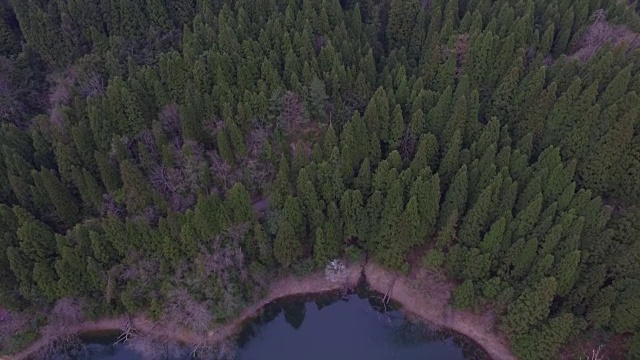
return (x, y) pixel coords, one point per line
(596, 170)
(402, 18)
(526, 218)
(451, 159)
(138, 195)
(438, 115)
(396, 130)
(493, 239)
(566, 272)
(281, 187)
(426, 154)
(475, 219)
(286, 247)
(535, 115)
(502, 101)
(456, 196)
(531, 307)
(463, 296)
(616, 88)
(62, 200)
(238, 204)
(294, 216)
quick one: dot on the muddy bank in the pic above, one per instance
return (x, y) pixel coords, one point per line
(468, 324)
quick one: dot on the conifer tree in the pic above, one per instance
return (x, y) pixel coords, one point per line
(456, 196)
(138, 195)
(463, 296)
(281, 187)
(238, 204)
(402, 17)
(531, 307)
(475, 219)
(451, 159)
(62, 200)
(286, 247)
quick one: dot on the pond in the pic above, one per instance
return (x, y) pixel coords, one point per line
(319, 327)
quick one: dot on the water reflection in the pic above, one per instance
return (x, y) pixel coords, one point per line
(335, 327)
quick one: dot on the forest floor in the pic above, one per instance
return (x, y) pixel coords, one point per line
(413, 298)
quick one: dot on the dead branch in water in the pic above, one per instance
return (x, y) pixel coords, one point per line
(387, 296)
(127, 332)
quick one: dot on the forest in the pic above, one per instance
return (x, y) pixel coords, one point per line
(497, 142)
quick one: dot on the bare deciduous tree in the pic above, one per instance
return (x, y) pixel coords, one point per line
(183, 310)
(155, 347)
(67, 311)
(109, 206)
(12, 323)
(170, 120)
(67, 346)
(600, 32)
(293, 111)
(92, 85)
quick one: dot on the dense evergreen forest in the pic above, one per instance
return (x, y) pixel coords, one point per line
(497, 141)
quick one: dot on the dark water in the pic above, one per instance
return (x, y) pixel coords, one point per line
(354, 326)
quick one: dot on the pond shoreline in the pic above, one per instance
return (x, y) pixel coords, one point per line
(377, 278)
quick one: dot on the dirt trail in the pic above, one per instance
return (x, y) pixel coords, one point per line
(466, 323)
(284, 287)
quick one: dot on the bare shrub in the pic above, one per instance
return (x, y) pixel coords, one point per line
(146, 138)
(601, 32)
(10, 103)
(433, 284)
(92, 85)
(161, 180)
(181, 309)
(221, 170)
(227, 350)
(460, 48)
(67, 311)
(12, 323)
(407, 146)
(63, 347)
(293, 111)
(110, 206)
(170, 119)
(60, 93)
(155, 347)
(256, 140)
(336, 271)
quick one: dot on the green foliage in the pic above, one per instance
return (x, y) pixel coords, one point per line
(327, 128)
(287, 248)
(463, 296)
